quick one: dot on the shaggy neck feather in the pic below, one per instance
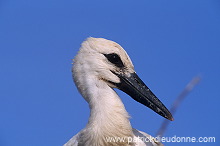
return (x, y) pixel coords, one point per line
(108, 117)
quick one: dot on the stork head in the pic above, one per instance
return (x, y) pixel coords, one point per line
(107, 61)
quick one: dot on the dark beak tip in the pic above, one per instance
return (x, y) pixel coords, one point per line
(171, 118)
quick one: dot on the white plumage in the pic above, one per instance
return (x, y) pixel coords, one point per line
(100, 66)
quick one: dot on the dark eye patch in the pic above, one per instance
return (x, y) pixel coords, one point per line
(115, 59)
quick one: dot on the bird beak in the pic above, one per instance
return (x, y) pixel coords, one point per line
(135, 87)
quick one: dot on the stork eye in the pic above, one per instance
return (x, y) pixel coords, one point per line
(115, 59)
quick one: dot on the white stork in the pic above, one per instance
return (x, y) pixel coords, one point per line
(100, 66)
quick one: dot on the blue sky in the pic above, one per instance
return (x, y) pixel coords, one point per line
(169, 43)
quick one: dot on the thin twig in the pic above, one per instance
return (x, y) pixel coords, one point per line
(189, 87)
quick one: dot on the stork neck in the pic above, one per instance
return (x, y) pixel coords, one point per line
(108, 117)
(106, 106)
